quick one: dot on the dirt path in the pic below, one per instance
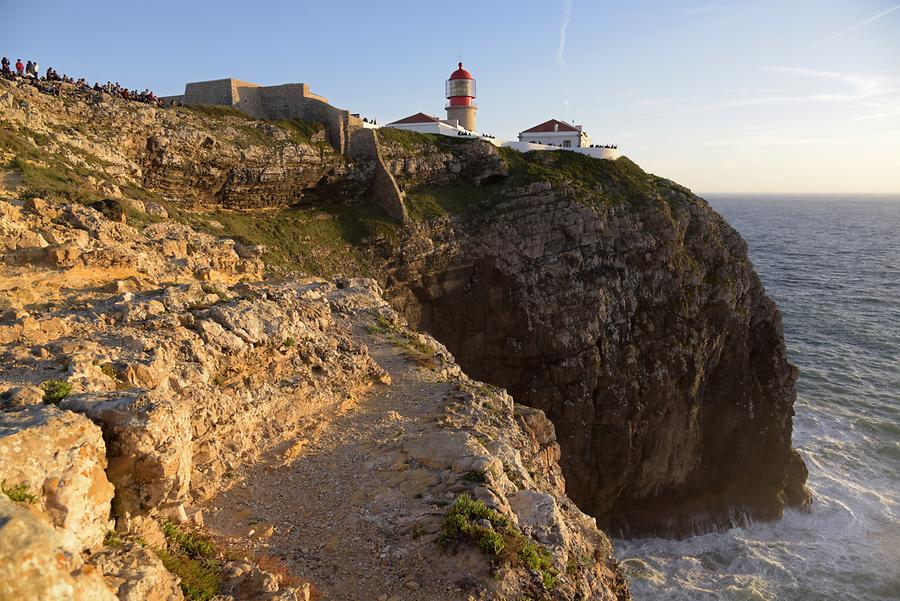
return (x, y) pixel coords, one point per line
(348, 512)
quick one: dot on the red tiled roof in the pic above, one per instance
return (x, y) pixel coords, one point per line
(550, 126)
(417, 118)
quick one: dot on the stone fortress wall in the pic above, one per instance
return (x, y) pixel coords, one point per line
(285, 101)
(345, 132)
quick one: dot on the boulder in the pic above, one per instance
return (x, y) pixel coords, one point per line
(61, 457)
(149, 445)
(35, 564)
(137, 574)
(17, 397)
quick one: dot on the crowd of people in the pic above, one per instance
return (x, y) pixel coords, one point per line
(611, 146)
(29, 72)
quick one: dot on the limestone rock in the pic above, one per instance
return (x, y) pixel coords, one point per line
(35, 564)
(136, 574)
(61, 457)
(638, 326)
(149, 445)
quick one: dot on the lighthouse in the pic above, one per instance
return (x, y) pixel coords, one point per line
(461, 98)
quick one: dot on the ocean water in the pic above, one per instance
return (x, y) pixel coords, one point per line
(832, 263)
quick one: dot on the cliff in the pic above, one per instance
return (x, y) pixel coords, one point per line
(615, 303)
(174, 424)
(627, 310)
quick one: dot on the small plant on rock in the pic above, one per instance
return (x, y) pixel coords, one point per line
(19, 493)
(193, 558)
(55, 391)
(472, 520)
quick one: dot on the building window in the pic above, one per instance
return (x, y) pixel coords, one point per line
(567, 143)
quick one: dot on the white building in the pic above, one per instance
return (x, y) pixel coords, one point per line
(426, 124)
(556, 133)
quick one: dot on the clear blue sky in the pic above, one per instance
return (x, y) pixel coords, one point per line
(721, 95)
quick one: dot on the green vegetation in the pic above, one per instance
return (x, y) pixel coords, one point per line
(595, 182)
(289, 342)
(48, 170)
(324, 240)
(453, 199)
(55, 391)
(471, 520)
(303, 132)
(112, 539)
(19, 493)
(409, 140)
(409, 344)
(193, 558)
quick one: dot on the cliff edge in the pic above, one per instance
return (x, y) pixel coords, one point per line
(194, 269)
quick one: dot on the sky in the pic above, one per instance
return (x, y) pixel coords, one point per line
(774, 96)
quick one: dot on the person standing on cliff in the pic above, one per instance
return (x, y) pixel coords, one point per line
(20, 68)
(4, 66)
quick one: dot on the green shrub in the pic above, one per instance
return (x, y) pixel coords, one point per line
(193, 558)
(201, 579)
(55, 391)
(19, 493)
(190, 543)
(465, 521)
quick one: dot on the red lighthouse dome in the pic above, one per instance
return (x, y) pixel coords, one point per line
(461, 74)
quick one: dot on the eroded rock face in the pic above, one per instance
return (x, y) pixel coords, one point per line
(641, 330)
(35, 564)
(60, 457)
(136, 574)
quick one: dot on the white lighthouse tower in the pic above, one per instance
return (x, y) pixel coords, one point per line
(461, 98)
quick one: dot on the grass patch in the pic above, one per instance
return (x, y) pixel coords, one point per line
(55, 391)
(19, 493)
(324, 240)
(470, 520)
(595, 181)
(409, 140)
(45, 172)
(436, 202)
(408, 343)
(310, 133)
(193, 558)
(112, 539)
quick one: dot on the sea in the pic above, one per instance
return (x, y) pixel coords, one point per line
(832, 264)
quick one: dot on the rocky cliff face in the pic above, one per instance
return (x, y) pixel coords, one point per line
(626, 309)
(616, 303)
(165, 409)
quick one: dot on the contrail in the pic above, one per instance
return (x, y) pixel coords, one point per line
(561, 49)
(857, 26)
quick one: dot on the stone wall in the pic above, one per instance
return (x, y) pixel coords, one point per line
(285, 101)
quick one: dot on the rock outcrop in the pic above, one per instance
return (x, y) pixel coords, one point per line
(198, 376)
(60, 456)
(34, 562)
(615, 303)
(630, 313)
